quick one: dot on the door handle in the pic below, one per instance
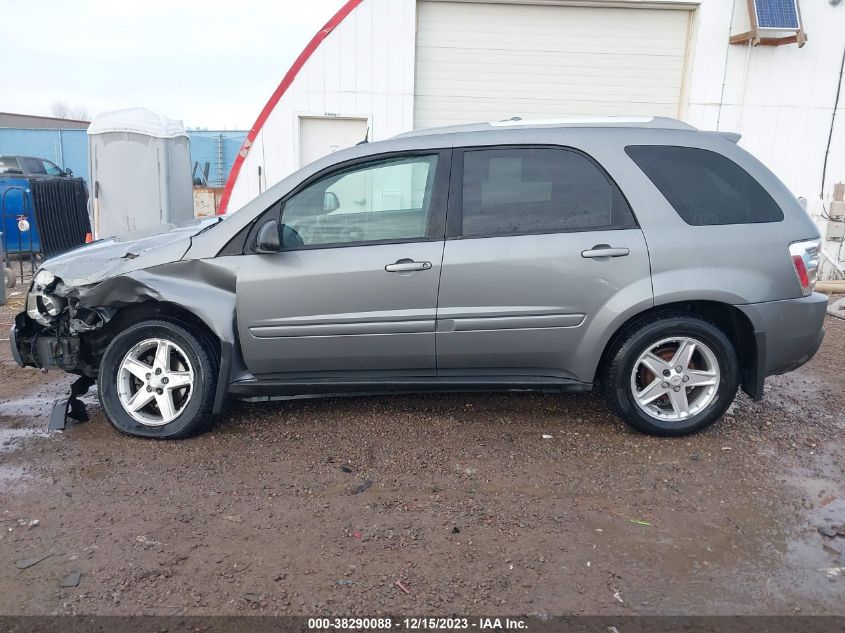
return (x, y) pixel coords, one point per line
(407, 266)
(604, 251)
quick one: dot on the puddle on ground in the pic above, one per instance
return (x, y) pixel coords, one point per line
(38, 405)
(814, 565)
(11, 439)
(30, 406)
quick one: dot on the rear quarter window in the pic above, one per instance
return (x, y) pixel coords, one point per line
(705, 188)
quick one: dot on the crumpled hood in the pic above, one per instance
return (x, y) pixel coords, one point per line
(114, 256)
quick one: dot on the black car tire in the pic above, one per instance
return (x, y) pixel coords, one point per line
(197, 415)
(615, 379)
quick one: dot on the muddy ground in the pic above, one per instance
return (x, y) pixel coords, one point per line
(468, 506)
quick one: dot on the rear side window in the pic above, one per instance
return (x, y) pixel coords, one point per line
(33, 166)
(7, 163)
(704, 187)
(520, 191)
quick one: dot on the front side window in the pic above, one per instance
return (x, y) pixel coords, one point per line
(388, 200)
(704, 187)
(51, 170)
(522, 191)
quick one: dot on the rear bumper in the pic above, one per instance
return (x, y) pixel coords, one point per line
(788, 333)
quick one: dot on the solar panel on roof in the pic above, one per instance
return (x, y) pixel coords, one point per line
(777, 14)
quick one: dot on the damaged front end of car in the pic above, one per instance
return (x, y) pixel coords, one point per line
(48, 334)
(79, 301)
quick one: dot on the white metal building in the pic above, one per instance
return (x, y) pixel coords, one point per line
(388, 66)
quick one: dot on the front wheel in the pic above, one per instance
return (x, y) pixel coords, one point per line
(158, 379)
(671, 375)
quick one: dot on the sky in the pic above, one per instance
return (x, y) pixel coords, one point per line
(212, 64)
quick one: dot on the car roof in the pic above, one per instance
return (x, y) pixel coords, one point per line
(648, 122)
(24, 156)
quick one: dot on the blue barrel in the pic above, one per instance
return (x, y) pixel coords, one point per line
(2, 272)
(16, 204)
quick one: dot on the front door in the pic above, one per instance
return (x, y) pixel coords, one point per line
(354, 289)
(543, 248)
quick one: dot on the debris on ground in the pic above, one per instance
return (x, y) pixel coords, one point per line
(546, 436)
(234, 518)
(832, 531)
(346, 469)
(837, 309)
(456, 530)
(827, 501)
(147, 541)
(364, 486)
(71, 580)
(26, 563)
(343, 582)
(402, 587)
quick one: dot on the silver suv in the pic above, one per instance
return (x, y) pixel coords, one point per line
(662, 264)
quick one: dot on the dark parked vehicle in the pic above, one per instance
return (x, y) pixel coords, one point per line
(31, 166)
(43, 208)
(664, 265)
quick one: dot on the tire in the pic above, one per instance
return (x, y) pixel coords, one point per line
(631, 371)
(188, 383)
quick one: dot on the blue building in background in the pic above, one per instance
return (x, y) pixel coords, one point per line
(218, 148)
(69, 149)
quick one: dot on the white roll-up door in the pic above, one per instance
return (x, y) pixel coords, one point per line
(478, 61)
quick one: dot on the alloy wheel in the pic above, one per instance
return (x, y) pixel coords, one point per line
(675, 378)
(155, 381)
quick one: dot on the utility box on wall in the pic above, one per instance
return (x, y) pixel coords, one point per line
(140, 167)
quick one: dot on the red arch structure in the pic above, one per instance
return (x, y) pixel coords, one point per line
(282, 88)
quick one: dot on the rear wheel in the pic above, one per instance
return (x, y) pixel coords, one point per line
(671, 375)
(157, 379)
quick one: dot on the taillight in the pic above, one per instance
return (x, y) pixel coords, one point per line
(805, 259)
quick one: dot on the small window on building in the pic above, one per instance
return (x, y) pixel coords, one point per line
(704, 187)
(523, 191)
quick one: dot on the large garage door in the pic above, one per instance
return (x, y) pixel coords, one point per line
(481, 61)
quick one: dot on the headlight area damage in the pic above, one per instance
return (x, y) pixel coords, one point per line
(70, 327)
(48, 333)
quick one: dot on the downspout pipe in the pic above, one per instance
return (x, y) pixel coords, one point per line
(832, 124)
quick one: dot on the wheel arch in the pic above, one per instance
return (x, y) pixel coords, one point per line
(728, 318)
(221, 350)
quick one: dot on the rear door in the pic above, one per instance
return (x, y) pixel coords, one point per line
(354, 289)
(542, 252)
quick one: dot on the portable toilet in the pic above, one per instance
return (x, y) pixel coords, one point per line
(140, 168)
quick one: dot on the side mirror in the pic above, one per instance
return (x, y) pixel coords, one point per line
(330, 202)
(267, 240)
(68, 172)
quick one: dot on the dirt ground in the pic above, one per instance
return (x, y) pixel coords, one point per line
(321, 506)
